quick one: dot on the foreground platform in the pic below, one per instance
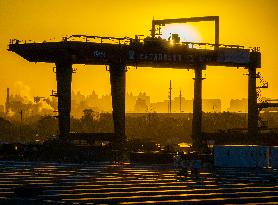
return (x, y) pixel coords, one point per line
(104, 183)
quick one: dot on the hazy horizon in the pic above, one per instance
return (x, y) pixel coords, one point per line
(25, 92)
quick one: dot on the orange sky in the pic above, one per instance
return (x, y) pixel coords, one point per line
(244, 22)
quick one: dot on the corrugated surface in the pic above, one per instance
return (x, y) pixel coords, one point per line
(241, 156)
(274, 157)
(135, 184)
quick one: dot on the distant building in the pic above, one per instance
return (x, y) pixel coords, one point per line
(130, 102)
(161, 107)
(93, 99)
(186, 106)
(80, 102)
(211, 105)
(2, 110)
(239, 105)
(178, 104)
(140, 105)
(77, 97)
(145, 97)
(106, 103)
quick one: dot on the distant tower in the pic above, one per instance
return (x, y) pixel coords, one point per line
(170, 97)
(180, 100)
(7, 101)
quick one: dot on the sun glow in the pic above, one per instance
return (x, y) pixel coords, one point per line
(186, 32)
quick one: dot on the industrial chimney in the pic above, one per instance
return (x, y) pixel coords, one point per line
(7, 100)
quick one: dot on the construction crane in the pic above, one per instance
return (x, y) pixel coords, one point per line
(38, 99)
(263, 103)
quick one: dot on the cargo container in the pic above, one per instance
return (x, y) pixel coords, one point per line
(242, 156)
(274, 157)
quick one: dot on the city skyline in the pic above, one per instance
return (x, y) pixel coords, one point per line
(135, 103)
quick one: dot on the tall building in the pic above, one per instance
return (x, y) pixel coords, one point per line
(2, 111)
(239, 105)
(7, 104)
(145, 97)
(140, 106)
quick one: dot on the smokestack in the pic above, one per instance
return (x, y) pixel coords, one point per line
(180, 100)
(170, 97)
(8, 100)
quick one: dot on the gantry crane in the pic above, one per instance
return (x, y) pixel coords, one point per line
(118, 53)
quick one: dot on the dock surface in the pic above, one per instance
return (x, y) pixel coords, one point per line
(106, 183)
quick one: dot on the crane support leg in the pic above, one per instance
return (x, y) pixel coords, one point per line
(64, 77)
(252, 103)
(197, 109)
(118, 85)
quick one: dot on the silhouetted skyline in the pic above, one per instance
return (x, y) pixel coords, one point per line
(140, 103)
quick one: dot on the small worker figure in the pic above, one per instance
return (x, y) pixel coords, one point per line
(182, 165)
(176, 38)
(184, 169)
(195, 165)
(170, 37)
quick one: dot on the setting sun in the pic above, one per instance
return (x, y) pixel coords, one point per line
(187, 32)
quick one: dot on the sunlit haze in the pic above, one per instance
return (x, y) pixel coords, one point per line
(186, 32)
(248, 23)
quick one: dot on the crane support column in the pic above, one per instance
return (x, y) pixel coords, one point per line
(197, 109)
(118, 85)
(64, 77)
(252, 103)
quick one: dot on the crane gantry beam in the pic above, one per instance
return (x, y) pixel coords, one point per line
(163, 22)
(151, 53)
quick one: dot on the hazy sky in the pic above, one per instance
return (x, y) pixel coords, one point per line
(244, 22)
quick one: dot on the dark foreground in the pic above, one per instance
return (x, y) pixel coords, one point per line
(101, 183)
